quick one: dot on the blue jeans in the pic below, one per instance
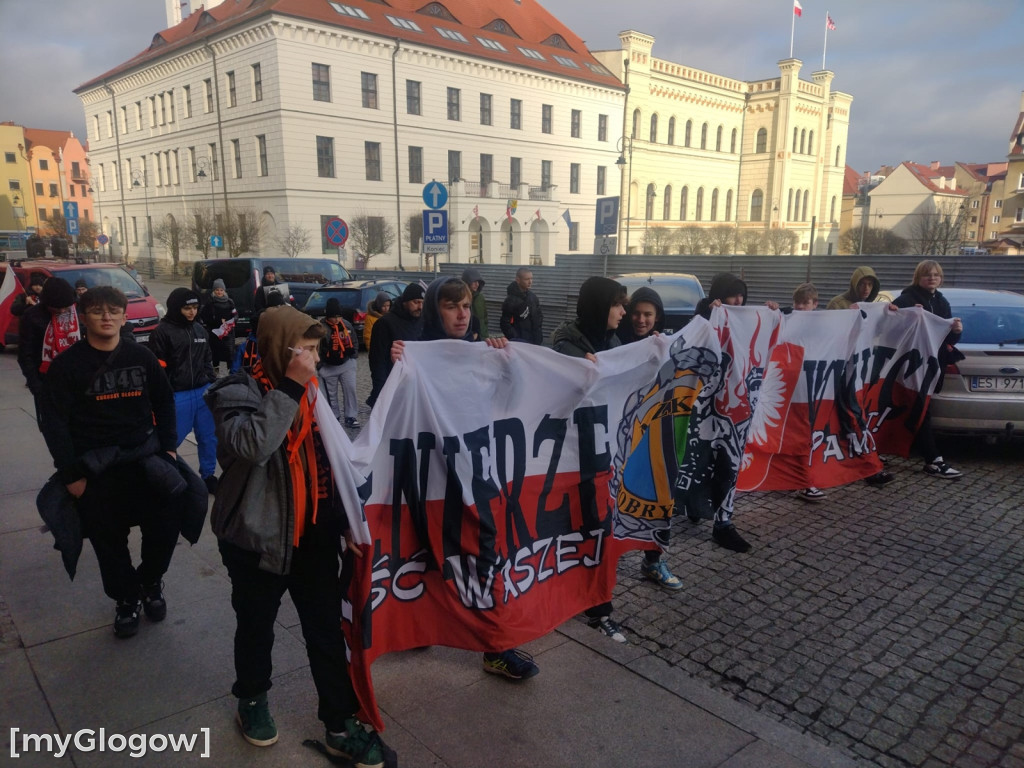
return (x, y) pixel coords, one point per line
(193, 415)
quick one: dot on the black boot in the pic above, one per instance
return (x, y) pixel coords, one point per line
(727, 536)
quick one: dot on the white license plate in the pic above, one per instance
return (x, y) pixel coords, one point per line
(997, 383)
(142, 338)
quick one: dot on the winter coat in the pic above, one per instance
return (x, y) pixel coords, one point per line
(643, 294)
(937, 304)
(333, 352)
(472, 275)
(30, 344)
(850, 297)
(396, 325)
(521, 316)
(723, 286)
(568, 339)
(183, 349)
(213, 314)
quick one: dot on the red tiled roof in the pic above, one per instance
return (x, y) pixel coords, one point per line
(984, 171)
(925, 174)
(54, 140)
(525, 23)
(851, 182)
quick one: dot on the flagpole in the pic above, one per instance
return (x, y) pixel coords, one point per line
(792, 32)
(825, 46)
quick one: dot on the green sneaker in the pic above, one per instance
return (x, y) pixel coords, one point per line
(364, 748)
(258, 727)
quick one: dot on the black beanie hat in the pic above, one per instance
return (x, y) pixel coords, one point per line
(38, 278)
(333, 308)
(57, 293)
(412, 292)
(80, 283)
(178, 299)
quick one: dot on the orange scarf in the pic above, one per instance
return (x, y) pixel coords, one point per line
(302, 465)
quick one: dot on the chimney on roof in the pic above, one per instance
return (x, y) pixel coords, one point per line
(934, 165)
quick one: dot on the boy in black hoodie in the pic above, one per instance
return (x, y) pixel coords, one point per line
(402, 323)
(183, 348)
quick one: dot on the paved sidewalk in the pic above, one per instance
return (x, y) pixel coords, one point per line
(595, 703)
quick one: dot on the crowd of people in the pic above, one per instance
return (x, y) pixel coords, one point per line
(114, 413)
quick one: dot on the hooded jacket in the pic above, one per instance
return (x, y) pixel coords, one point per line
(471, 275)
(254, 508)
(850, 297)
(723, 285)
(396, 325)
(183, 346)
(589, 332)
(521, 316)
(643, 294)
(433, 328)
(32, 331)
(373, 314)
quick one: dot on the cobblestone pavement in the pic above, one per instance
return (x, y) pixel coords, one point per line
(886, 621)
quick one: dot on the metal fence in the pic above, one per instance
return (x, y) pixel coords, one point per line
(767, 277)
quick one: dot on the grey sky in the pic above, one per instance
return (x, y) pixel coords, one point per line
(931, 79)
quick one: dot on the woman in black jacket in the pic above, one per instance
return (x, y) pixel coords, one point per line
(925, 293)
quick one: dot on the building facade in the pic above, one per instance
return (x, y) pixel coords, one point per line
(699, 149)
(291, 112)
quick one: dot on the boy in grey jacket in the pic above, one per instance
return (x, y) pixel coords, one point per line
(279, 525)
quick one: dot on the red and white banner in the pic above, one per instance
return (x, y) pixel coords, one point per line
(798, 10)
(9, 290)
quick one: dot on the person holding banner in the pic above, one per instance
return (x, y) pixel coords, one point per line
(279, 525)
(924, 292)
(402, 323)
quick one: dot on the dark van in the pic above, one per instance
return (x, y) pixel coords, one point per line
(243, 276)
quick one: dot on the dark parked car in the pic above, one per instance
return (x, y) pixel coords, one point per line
(679, 292)
(355, 296)
(983, 394)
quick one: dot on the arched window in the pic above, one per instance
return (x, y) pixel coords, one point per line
(756, 204)
(718, 139)
(684, 197)
(762, 141)
(649, 208)
(838, 150)
(688, 134)
(698, 214)
(789, 207)
(728, 205)
(714, 205)
(671, 130)
(732, 142)
(796, 137)
(666, 206)
(636, 124)
(803, 140)
(832, 210)
(807, 195)
(704, 136)
(810, 143)
(654, 129)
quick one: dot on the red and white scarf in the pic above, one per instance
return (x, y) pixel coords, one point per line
(61, 332)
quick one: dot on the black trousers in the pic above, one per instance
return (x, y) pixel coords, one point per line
(114, 502)
(924, 440)
(315, 587)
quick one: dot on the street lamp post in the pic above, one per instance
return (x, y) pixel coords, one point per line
(140, 173)
(625, 147)
(202, 164)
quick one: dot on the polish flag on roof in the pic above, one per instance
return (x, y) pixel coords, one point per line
(798, 10)
(828, 22)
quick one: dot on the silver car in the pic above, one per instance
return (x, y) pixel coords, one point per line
(984, 393)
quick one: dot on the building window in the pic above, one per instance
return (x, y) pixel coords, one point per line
(236, 153)
(688, 133)
(516, 171)
(454, 165)
(761, 144)
(796, 138)
(545, 118)
(636, 124)
(602, 127)
(321, 83)
(574, 178)
(454, 104)
(600, 179)
(704, 136)
(232, 92)
(257, 82)
(971, 234)
(208, 91)
(415, 165)
(39, 188)
(718, 139)
(152, 111)
(756, 205)
(110, 124)
(810, 143)
(516, 115)
(135, 231)
(649, 205)
(372, 150)
(261, 150)
(325, 157)
(839, 152)
(666, 203)
(671, 130)
(216, 164)
(698, 213)
(789, 206)
(728, 205)
(574, 126)
(485, 109)
(10, 157)
(545, 174)
(999, 204)
(188, 100)
(732, 142)
(654, 129)
(44, 165)
(684, 199)
(714, 205)
(832, 210)
(124, 120)
(14, 185)
(574, 236)
(807, 194)
(53, 190)
(412, 97)
(486, 170)
(803, 141)
(369, 85)
(995, 219)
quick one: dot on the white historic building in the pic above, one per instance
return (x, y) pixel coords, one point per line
(296, 111)
(707, 150)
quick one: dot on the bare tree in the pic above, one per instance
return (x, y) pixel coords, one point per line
(56, 225)
(371, 235)
(780, 241)
(242, 231)
(691, 240)
(722, 239)
(169, 235)
(202, 226)
(751, 241)
(658, 240)
(294, 240)
(876, 240)
(939, 232)
(414, 232)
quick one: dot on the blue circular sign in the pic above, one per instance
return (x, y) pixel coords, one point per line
(103, 239)
(336, 231)
(435, 195)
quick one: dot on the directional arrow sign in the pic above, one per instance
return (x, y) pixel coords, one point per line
(435, 195)
(71, 210)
